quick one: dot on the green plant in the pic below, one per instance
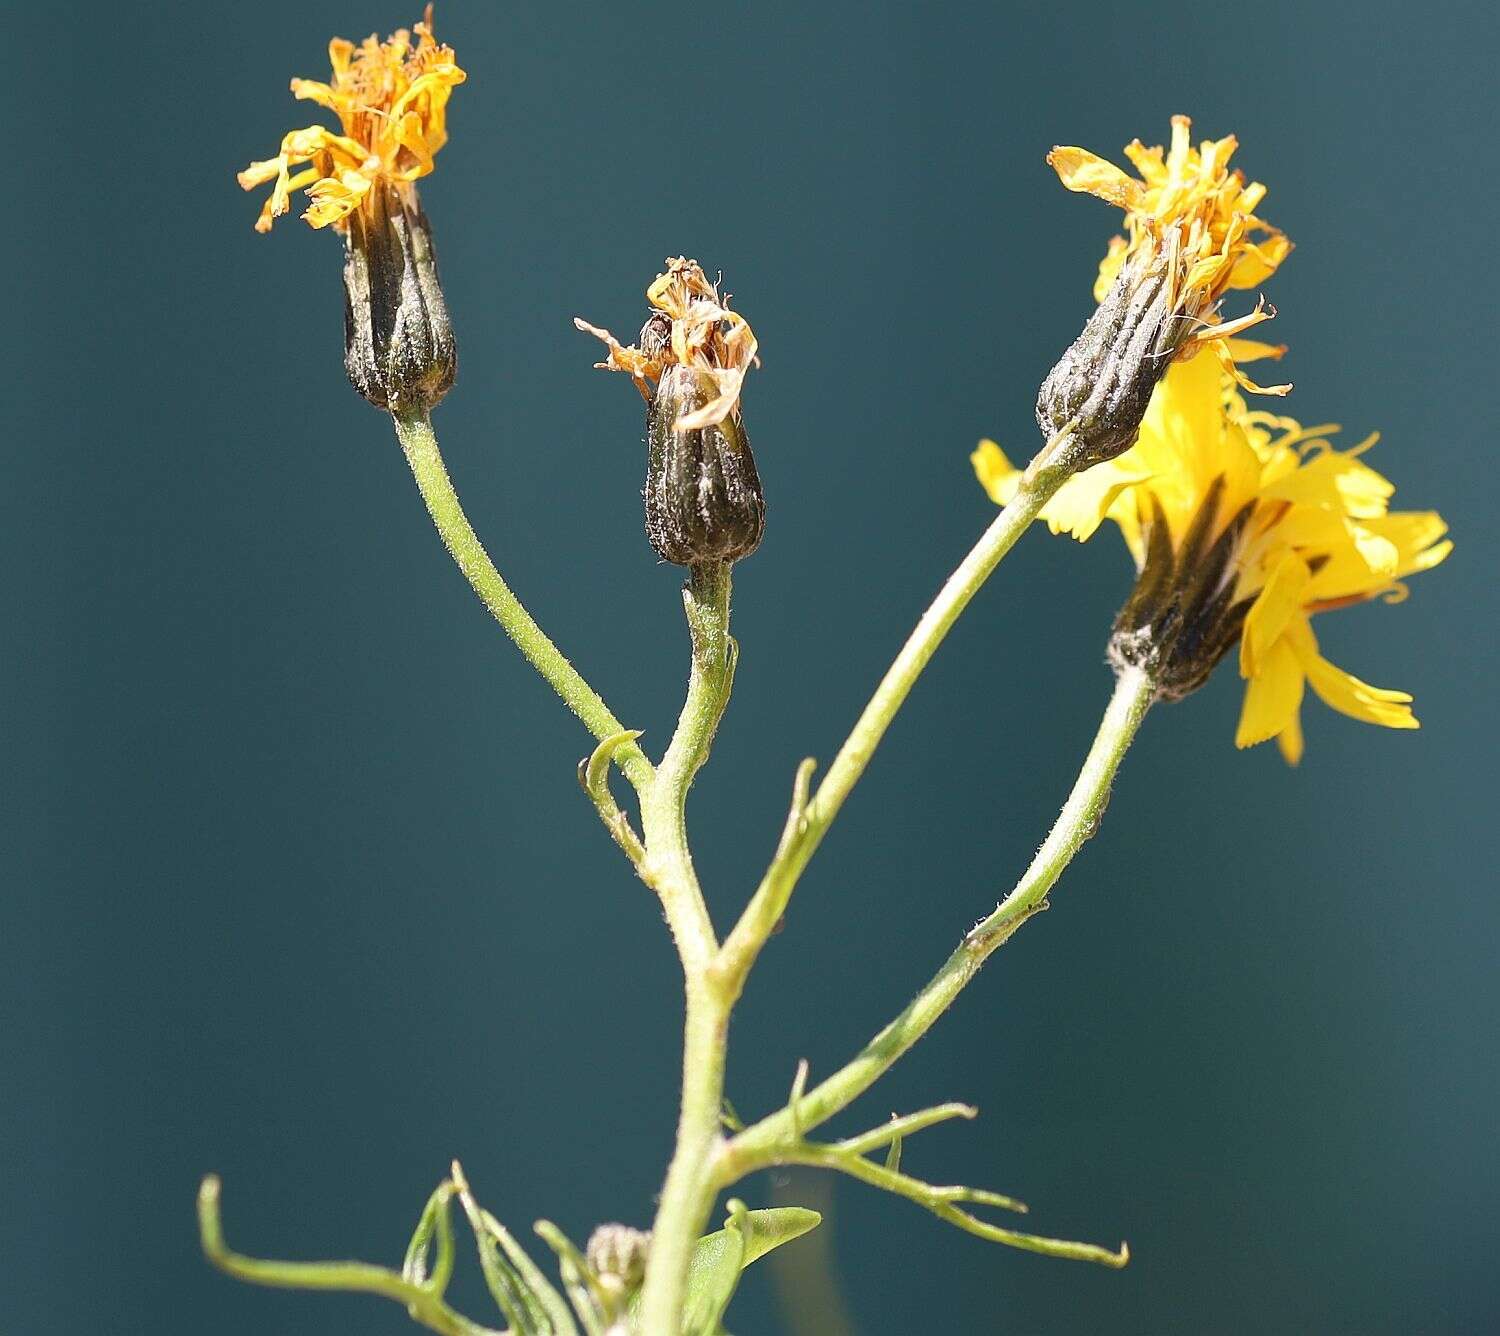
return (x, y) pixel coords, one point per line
(1242, 526)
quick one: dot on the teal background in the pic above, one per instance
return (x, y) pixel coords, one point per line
(298, 885)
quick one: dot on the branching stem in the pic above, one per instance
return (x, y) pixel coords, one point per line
(715, 979)
(806, 828)
(1078, 820)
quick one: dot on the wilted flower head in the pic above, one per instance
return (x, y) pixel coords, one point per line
(391, 99)
(1192, 235)
(703, 495)
(690, 326)
(1243, 525)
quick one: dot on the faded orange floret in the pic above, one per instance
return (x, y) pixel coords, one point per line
(391, 99)
(704, 334)
(1189, 210)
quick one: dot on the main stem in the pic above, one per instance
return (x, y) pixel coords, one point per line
(759, 1145)
(414, 430)
(688, 1193)
(769, 902)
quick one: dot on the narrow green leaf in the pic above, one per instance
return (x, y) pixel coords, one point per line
(713, 1277)
(521, 1309)
(584, 1292)
(893, 1155)
(435, 1221)
(593, 773)
(559, 1320)
(720, 1257)
(774, 1226)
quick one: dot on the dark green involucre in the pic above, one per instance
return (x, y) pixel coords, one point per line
(1103, 383)
(398, 342)
(1183, 616)
(704, 500)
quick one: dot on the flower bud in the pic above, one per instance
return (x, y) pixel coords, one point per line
(617, 1253)
(1103, 383)
(398, 342)
(1184, 615)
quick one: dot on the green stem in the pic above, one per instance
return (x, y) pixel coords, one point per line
(420, 445)
(423, 1301)
(668, 865)
(688, 1193)
(770, 899)
(759, 1144)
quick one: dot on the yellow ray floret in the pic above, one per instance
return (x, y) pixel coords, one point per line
(391, 99)
(703, 334)
(1317, 534)
(1190, 211)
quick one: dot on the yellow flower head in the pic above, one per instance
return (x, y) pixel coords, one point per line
(391, 99)
(1189, 212)
(1242, 526)
(690, 326)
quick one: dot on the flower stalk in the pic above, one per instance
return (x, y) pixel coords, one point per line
(688, 1192)
(420, 445)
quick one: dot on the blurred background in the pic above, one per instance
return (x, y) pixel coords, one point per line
(298, 885)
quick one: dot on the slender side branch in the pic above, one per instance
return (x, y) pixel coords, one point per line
(423, 1299)
(420, 445)
(1078, 820)
(947, 1203)
(898, 1128)
(810, 820)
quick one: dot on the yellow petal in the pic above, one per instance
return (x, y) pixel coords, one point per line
(996, 474)
(1289, 740)
(339, 51)
(1376, 551)
(1254, 263)
(1274, 607)
(1336, 481)
(258, 173)
(1086, 499)
(1226, 360)
(310, 90)
(1081, 504)
(1415, 534)
(1253, 350)
(1086, 172)
(333, 200)
(1346, 693)
(1109, 267)
(1346, 572)
(1359, 700)
(1272, 696)
(1148, 162)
